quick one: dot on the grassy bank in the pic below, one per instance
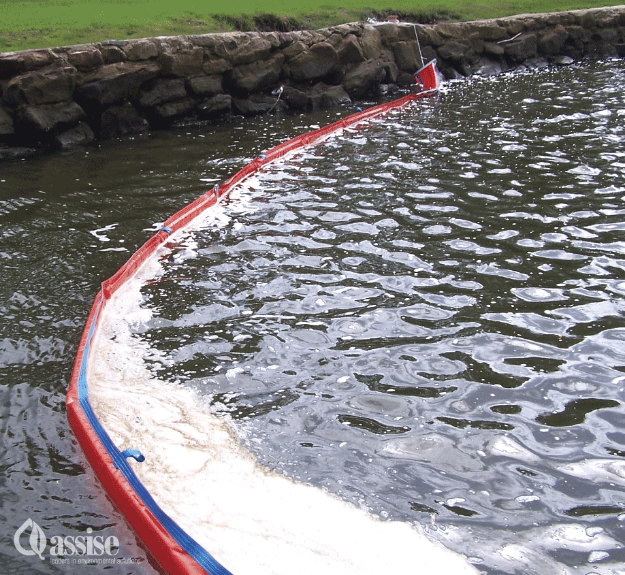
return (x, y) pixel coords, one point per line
(44, 23)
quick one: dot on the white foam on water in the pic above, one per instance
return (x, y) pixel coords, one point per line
(597, 470)
(530, 552)
(248, 518)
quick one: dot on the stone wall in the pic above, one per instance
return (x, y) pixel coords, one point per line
(76, 94)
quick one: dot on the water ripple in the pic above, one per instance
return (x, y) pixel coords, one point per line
(430, 333)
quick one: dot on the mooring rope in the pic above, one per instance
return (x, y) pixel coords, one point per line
(279, 92)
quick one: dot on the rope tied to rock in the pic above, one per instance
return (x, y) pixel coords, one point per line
(279, 93)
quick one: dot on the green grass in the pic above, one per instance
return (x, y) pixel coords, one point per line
(44, 23)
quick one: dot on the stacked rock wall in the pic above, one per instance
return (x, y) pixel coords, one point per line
(64, 96)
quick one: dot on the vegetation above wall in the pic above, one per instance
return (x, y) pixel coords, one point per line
(45, 23)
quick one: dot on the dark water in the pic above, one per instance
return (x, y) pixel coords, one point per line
(424, 315)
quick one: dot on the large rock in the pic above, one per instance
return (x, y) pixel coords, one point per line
(45, 86)
(173, 110)
(6, 123)
(218, 105)
(323, 96)
(488, 67)
(405, 80)
(429, 54)
(141, 50)
(536, 63)
(254, 49)
(432, 38)
(315, 63)
(389, 32)
(513, 26)
(608, 35)
(206, 86)
(112, 54)
(390, 66)
(204, 40)
(405, 56)
(489, 31)
(294, 50)
(605, 18)
(526, 46)
(160, 91)
(279, 40)
(493, 49)
(81, 134)
(256, 77)
(50, 117)
(213, 43)
(184, 63)
(15, 151)
(371, 42)
(215, 66)
(335, 96)
(453, 51)
(354, 28)
(114, 83)
(255, 105)
(364, 79)
(551, 41)
(120, 121)
(85, 59)
(36, 59)
(450, 31)
(295, 99)
(564, 61)
(219, 46)
(348, 49)
(10, 65)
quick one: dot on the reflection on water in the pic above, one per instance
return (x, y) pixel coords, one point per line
(424, 316)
